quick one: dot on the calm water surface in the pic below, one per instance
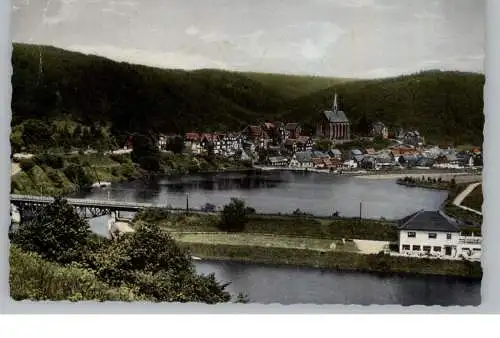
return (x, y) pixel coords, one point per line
(318, 194)
(289, 285)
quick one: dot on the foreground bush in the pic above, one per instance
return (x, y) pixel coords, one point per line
(153, 262)
(33, 278)
(57, 233)
(234, 216)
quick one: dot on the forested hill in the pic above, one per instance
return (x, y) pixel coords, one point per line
(51, 83)
(444, 106)
(48, 82)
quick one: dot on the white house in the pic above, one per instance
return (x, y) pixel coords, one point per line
(302, 159)
(433, 234)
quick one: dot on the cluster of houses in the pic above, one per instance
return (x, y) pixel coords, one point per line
(281, 144)
(285, 146)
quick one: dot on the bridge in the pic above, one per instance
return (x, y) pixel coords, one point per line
(86, 208)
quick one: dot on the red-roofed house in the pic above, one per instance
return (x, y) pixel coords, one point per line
(192, 142)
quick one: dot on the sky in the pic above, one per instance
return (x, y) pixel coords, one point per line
(340, 38)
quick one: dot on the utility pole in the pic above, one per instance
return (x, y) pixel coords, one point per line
(187, 204)
(360, 210)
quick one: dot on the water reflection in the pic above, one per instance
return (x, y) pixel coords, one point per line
(290, 285)
(282, 192)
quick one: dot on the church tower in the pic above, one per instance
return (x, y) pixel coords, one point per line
(335, 105)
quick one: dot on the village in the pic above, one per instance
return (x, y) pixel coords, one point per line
(279, 145)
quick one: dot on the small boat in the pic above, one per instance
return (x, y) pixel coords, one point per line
(194, 258)
(101, 184)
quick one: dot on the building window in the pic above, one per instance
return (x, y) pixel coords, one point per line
(432, 235)
(412, 234)
(437, 249)
(427, 248)
(416, 248)
(448, 236)
(406, 247)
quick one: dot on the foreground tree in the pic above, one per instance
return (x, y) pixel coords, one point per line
(234, 216)
(57, 233)
(150, 260)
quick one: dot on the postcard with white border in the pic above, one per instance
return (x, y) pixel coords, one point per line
(247, 151)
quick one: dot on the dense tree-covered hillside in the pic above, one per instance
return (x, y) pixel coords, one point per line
(293, 86)
(444, 106)
(51, 83)
(48, 82)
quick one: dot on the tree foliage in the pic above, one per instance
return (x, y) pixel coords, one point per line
(151, 260)
(323, 145)
(443, 106)
(56, 233)
(234, 216)
(145, 152)
(31, 277)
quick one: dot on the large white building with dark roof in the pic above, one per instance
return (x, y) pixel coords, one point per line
(333, 124)
(433, 234)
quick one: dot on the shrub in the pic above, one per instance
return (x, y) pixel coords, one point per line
(234, 216)
(50, 160)
(56, 233)
(151, 260)
(27, 164)
(208, 207)
(128, 170)
(77, 175)
(31, 277)
(121, 158)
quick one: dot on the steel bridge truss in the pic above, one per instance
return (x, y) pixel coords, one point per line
(30, 209)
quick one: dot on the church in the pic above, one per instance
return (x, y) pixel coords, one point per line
(334, 124)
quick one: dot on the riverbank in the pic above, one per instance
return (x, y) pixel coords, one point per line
(335, 260)
(345, 244)
(427, 183)
(291, 226)
(52, 174)
(445, 174)
(61, 175)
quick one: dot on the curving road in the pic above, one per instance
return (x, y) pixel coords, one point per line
(460, 198)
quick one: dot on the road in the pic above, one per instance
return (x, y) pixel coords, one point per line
(14, 168)
(460, 197)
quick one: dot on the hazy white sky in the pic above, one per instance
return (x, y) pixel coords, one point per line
(347, 38)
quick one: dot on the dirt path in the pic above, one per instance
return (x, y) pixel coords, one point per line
(15, 168)
(370, 247)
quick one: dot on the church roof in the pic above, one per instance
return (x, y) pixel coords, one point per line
(335, 116)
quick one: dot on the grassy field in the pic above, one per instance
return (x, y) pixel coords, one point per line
(459, 213)
(337, 260)
(265, 241)
(475, 199)
(291, 226)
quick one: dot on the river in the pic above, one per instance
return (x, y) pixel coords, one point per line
(319, 194)
(291, 285)
(282, 191)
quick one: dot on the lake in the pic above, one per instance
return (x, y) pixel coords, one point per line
(319, 194)
(282, 192)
